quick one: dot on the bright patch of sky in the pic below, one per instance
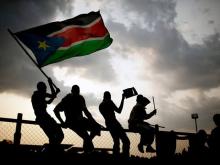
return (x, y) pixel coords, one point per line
(13, 103)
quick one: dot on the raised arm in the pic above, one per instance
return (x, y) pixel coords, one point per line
(53, 94)
(121, 104)
(148, 116)
(51, 86)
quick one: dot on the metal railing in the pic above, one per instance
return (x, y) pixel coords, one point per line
(29, 133)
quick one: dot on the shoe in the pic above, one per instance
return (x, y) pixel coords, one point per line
(141, 148)
(150, 149)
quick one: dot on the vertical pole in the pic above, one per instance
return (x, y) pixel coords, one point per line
(153, 102)
(196, 125)
(17, 134)
(195, 116)
(157, 138)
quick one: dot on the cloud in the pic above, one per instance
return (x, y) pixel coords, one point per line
(96, 66)
(190, 65)
(211, 22)
(22, 14)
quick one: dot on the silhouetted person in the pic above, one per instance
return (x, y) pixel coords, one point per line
(40, 99)
(107, 108)
(166, 145)
(197, 145)
(136, 122)
(214, 139)
(74, 106)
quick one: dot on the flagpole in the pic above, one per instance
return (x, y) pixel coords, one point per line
(12, 34)
(153, 102)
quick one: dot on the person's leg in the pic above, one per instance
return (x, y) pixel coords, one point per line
(137, 128)
(87, 141)
(55, 136)
(56, 133)
(93, 127)
(124, 138)
(147, 136)
(53, 131)
(126, 144)
(141, 143)
(116, 145)
(149, 140)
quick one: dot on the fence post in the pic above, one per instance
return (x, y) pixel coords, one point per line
(17, 134)
(156, 138)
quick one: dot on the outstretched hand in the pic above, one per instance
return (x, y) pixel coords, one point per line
(57, 90)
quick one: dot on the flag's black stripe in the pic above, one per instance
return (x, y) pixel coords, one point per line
(83, 19)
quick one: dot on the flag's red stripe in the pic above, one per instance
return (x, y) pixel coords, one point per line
(76, 34)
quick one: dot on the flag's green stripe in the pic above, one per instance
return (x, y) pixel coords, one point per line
(80, 49)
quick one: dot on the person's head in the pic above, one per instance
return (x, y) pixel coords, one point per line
(107, 95)
(75, 90)
(202, 136)
(41, 86)
(145, 101)
(216, 119)
(139, 98)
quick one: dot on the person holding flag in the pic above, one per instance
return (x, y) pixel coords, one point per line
(39, 100)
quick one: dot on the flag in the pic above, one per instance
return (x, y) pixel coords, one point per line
(57, 41)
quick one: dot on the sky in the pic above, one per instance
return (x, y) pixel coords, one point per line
(166, 49)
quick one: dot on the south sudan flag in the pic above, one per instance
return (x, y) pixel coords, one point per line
(57, 41)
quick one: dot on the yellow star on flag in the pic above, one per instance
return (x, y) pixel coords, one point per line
(42, 45)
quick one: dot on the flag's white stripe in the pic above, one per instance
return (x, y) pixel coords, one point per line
(75, 26)
(79, 42)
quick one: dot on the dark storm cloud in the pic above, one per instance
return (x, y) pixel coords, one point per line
(23, 14)
(201, 65)
(211, 22)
